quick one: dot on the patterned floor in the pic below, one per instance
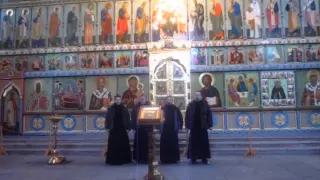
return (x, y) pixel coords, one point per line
(221, 168)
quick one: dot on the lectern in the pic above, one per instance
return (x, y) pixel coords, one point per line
(151, 116)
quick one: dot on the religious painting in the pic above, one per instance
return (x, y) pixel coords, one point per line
(180, 102)
(161, 72)
(178, 87)
(216, 24)
(38, 27)
(20, 63)
(312, 52)
(211, 87)
(38, 95)
(141, 21)
(106, 17)
(242, 89)
(70, 61)
(123, 24)
(105, 60)
(10, 111)
(278, 89)
(217, 56)
(71, 19)
(68, 94)
(88, 13)
(178, 71)
(272, 22)
(36, 63)
(141, 59)
(274, 54)
(55, 25)
(169, 20)
(102, 90)
(197, 24)
(23, 27)
(253, 19)
(5, 63)
(53, 62)
(161, 88)
(198, 56)
(235, 55)
(123, 59)
(308, 88)
(235, 20)
(292, 20)
(311, 18)
(255, 54)
(87, 60)
(294, 53)
(7, 27)
(132, 88)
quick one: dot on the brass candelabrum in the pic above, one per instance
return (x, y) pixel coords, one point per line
(55, 158)
(3, 151)
(153, 172)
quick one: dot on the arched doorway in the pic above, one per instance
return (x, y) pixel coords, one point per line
(10, 110)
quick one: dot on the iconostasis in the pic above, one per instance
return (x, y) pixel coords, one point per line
(256, 62)
(79, 23)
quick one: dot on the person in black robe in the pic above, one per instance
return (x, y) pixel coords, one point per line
(277, 91)
(140, 145)
(169, 141)
(118, 124)
(198, 121)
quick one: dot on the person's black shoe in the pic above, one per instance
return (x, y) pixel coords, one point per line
(193, 161)
(205, 161)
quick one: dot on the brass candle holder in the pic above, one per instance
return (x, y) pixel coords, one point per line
(55, 158)
(3, 151)
(251, 151)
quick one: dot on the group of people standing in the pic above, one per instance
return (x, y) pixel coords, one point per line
(118, 123)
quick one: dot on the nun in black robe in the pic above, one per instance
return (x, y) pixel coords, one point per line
(140, 144)
(118, 124)
(169, 141)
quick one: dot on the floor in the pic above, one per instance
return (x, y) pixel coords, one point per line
(221, 168)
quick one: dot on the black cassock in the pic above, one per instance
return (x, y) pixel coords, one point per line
(198, 120)
(140, 144)
(169, 142)
(118, 122)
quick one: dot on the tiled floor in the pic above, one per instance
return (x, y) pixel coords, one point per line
(221, 168)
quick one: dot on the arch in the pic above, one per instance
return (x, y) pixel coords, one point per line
(8, 88)
(4, 92)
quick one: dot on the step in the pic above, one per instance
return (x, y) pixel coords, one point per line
(215, 151)
(215, 139)
(182, 143)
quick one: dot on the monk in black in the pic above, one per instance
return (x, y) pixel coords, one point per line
(140, 146)
(118, 124)
(169, 142)
(198, 121)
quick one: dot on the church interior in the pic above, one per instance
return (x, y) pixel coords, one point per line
(257, 63)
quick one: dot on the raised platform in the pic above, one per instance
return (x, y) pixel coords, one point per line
(221, 144)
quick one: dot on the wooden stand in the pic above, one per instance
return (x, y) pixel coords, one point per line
(3, 151)
(153, 173)
(251, 151)
(151, 116)
(49, 151)
(55, 158)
